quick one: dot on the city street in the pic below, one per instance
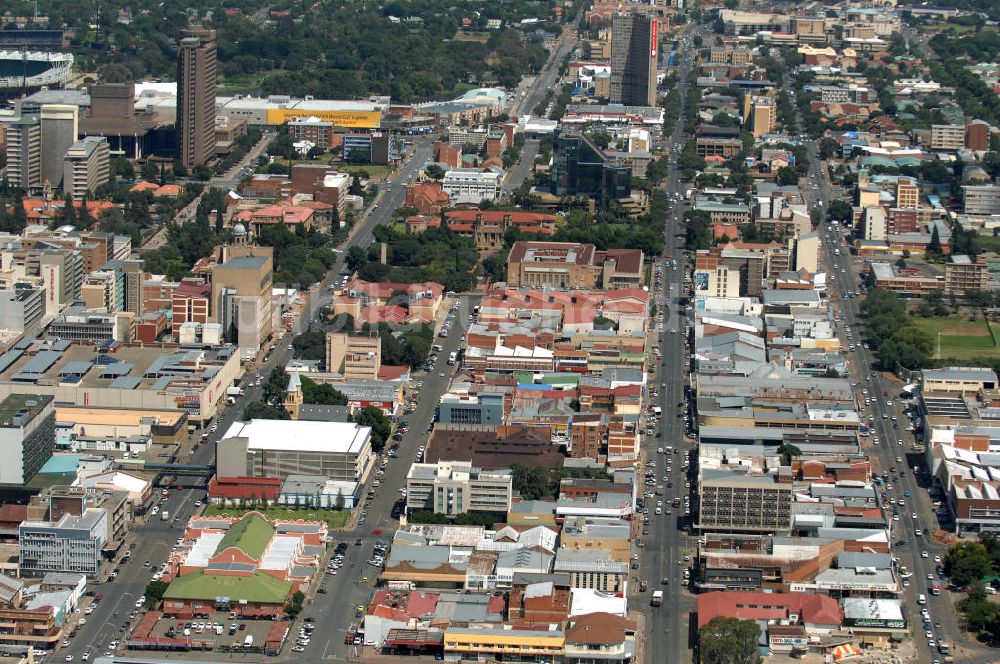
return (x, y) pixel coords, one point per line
(881, 387)
(667, 544)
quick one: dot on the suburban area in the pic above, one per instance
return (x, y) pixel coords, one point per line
(558, 332)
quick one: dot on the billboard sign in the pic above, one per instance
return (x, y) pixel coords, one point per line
(347, 119)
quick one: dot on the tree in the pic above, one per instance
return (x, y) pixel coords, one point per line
(149, 171)
(258, 410)
(840, 210)
(788, 452)
(275, 386)
(532, 482)
(122, 168)
(434, 172)
(935, 245)
(787, 176)
(370, 416)
(967, 562)
(154, 593)
(321, 394)
(20, 217)
(69, 211)
(83, 219)
(729, 641)
(310, 345)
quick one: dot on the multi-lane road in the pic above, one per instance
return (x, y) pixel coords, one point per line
(666, 545)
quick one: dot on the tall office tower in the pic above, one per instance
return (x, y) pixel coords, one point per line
(135, 275)
(86, 166)
(634, 52)
(196, 96)
(24, 153)
(60, 126)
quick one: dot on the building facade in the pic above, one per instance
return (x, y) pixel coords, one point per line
(86, 166)
(456, 487)
(60, 127)
(196, 83)
(27, 436)
(733, 502)
(24, 153)
(73, 543)
(634, 54)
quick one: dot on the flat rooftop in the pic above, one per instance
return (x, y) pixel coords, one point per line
(27, 405)
(299, 435)
(133, 367)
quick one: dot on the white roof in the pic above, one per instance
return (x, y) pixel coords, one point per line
(120, 480)
(155, 89)
(203, 549)
(280, 552)
(329, 437)
(588, 600)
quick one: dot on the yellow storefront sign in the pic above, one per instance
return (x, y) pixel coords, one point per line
(348, 119)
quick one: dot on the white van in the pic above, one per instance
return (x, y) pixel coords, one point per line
(921, 600)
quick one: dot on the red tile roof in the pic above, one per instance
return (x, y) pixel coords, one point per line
(244, 487)
(813, 609)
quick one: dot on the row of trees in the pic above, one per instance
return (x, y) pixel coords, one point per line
(967, 564)
(892, 331)
(318, 50)
(535, 482)
(437, 255)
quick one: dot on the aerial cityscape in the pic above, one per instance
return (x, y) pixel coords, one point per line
(581, 332)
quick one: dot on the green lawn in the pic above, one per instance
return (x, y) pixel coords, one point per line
(944, 27)
(375, 171)
(333, 518)
(961, 339)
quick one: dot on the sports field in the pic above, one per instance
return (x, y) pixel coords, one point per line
(960, 338)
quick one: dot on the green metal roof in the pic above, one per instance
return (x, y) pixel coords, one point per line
(256, 587)
(250, 535)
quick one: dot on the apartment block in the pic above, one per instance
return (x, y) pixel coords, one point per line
(472, 184)
(27, 436)
(70, 544)
(708, 146)
(738, 501)
(319, 132)
(241, 289)
(60, 127)
(354, 358)
(947, 137)
(196, 83)
(981, 199)
(760, 114)
(963, 274)
(456, 487)
(907, 193)
(24, 153)
(977, 135)
(86, 166)
(21, 308)
(634, 55)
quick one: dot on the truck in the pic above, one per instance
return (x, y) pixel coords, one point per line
(247, 642)
(657, 598)
(164, 515)
(452, 356)
(235, 391)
